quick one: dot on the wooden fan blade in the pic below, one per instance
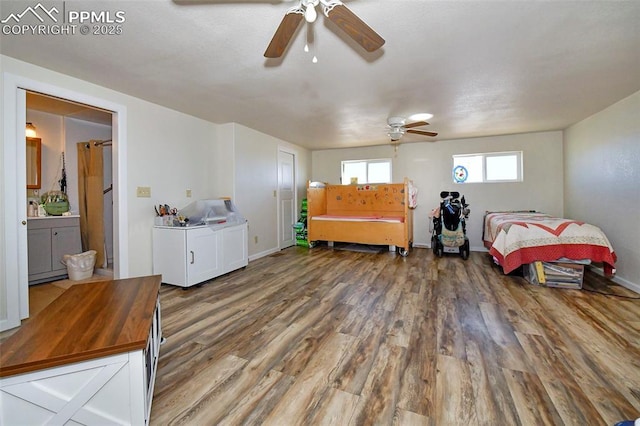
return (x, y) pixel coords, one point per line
(284, 33)
(355, 28)
(422, 132)
(416, 124)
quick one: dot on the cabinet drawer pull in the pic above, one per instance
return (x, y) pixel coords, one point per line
(193, 259)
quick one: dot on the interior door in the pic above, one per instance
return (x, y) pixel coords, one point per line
(286, 198)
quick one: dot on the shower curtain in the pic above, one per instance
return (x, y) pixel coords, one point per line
(90, 183)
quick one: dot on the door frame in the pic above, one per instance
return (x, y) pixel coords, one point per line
(295, 188)
(15, 242)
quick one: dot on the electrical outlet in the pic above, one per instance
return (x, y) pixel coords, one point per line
(188, 193)
(143, 192)
(255, 239)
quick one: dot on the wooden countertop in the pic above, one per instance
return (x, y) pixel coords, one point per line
(87, 321)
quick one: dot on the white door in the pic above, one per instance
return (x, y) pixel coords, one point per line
(16, 298)
(286, 198)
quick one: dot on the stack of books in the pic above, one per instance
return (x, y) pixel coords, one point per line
(555, 274)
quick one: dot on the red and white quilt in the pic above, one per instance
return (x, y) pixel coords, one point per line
(517, 238)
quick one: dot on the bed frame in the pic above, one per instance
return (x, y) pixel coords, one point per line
(376, 214)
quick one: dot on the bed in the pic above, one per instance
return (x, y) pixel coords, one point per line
(376, 214)
(518, 238)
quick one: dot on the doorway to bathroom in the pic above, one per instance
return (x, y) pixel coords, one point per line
(76, 159)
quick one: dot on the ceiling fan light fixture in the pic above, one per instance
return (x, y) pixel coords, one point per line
(310, 14)
(422, 116)
(395, 134)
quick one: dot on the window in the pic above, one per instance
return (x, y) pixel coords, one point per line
(366, 171)
(488, 167)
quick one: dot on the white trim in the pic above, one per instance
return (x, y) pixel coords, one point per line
(11, 208)
(479, 249)
(15, 278)
(264, 253)
(618, 280)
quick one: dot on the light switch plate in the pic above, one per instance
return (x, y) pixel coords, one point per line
(143, 192)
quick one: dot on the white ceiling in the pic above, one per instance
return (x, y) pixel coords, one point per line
(481, 67)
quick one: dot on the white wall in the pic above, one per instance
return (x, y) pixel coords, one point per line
(255, 180)
(223, 172)
(602, 171)
(429, 165)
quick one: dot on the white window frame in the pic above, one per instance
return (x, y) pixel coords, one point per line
(485, 155)
(347, 181)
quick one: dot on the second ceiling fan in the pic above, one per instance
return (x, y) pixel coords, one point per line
(336, 11)
(397, 126)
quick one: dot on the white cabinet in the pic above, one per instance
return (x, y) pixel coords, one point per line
(189, 256)
(235, 251)
(49, 239)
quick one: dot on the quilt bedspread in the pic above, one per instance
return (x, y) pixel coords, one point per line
(517, 238)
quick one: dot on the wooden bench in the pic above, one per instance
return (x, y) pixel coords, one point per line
(376, 214)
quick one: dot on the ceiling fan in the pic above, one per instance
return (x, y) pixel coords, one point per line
(336, 11)
(397, 128)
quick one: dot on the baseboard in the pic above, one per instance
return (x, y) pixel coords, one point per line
(263, 254)
(618, 280)
(428, 246)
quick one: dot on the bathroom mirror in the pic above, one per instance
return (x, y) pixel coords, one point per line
(34, 163)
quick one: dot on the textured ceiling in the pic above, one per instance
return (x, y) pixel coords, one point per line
(481, 67)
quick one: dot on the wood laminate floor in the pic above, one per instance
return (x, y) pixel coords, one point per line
(318, 337)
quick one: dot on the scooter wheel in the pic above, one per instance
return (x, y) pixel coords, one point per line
(464, 253)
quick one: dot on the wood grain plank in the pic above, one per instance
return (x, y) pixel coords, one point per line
(532, 402)
(455, 402)
(183, 403)
(417, 387)
(337, 408)
(300, 404)
(571, 402)
(380, 394)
